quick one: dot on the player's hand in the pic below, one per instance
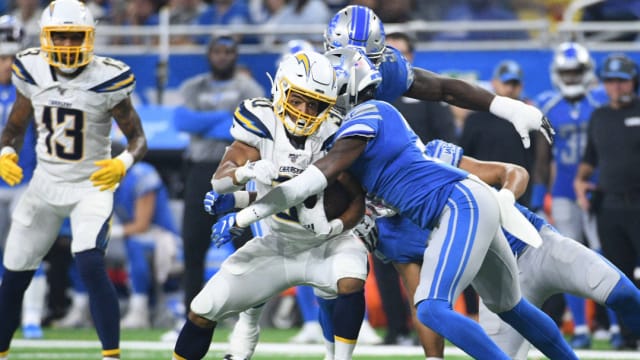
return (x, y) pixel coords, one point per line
(263, 171)
(216, 204)
(367, 231)
(10, 171)
(109, 175)
(524, 117)
(224, 230)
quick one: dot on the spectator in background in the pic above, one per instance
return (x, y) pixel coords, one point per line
(184, 12)
(223, 12)
(295, 12)
(614, 10)
(428, 119)
(138, 13)
(480, 10)
(209, 100)
(490, 138)
(397, 11)
(613, 140)
(568, 107)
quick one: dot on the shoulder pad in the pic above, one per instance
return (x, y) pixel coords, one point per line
(119, 75)
(256, 116)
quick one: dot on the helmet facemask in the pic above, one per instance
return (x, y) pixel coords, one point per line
(302, 77)
(67, 21)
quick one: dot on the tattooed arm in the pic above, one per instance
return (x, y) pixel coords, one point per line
(129, 122)
(17, 123)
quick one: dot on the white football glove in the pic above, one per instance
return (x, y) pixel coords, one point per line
(263, 171)
(524, 117)
(315, 220)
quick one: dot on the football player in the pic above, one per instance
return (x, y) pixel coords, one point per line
(276, 140)
(559, 265)
(359, 27)
(464, 214)
(73, 95)
(569, 107)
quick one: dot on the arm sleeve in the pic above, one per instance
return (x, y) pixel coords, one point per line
(287, 194)
(444, 151)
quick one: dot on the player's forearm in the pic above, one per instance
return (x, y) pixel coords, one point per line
(468, 96)
(131, 126)
(515, 179)
(289, 193)
(12, 136)
(17, 123)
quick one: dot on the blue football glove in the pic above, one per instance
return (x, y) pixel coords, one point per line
(216, 204)
(224, 230)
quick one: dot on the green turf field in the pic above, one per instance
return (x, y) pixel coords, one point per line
(144, 345)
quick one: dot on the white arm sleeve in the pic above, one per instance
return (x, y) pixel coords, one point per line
(289, 193)
(224, 185)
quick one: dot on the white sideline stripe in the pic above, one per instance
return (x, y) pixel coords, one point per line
(305, 349)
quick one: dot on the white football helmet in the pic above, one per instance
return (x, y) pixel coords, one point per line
(356, 26)
(67, 16)
(11, 35)
(356, 75)
(311, 75)
(572, 70)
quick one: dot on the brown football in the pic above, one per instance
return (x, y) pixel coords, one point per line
(336, 200)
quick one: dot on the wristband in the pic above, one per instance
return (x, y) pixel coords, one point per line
(7, 150)
(127, 159)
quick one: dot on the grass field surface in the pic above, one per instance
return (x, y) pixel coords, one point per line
(82, 344)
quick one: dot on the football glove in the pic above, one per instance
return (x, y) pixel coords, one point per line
(109, 175)
(524, 117)
(216, 204)
(263, 171)
(367, 231)
(224, 230)
(10, 171)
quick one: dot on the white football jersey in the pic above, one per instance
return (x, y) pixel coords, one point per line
(73, 115)
(255, 123)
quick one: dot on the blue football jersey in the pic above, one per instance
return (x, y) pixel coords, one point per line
(27, 155)
(141, 179)
(393, 166)
(570, 120)
(397, 75)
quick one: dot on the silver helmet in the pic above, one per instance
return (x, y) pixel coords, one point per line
(572, 70)
(11, 35)
(355, 74)
(356, 26)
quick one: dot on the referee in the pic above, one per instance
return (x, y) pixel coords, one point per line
(613, 145)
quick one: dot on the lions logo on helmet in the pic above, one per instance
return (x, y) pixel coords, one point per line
(73, 18)
(572, 70)
(356, 74)
(11, 35)
(311, 75)
(356, 26)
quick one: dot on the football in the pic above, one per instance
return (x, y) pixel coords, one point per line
(336, 200)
